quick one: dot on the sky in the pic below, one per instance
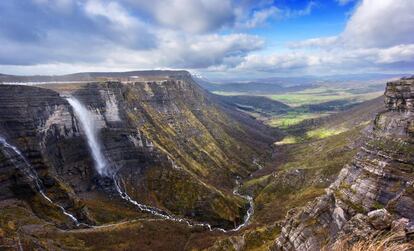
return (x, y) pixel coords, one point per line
(213, 38)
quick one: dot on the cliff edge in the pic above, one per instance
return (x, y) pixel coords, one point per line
(373, 194)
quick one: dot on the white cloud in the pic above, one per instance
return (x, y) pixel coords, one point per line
(399, 53)
(196, 34)
(338, 59)
(194, 16)
(196, 51)
(374, 24)
(260, 17)
(378, 35)
(267, 12)
(315, 42)
(381, 24)
(275, 62)
(119, 24)
(303, 12)
(112, 11)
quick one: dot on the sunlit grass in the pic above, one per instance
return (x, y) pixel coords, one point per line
(321, 95)
(313, 95)
(319, 133)
(293, 118)
(287, 140)
(322, 133)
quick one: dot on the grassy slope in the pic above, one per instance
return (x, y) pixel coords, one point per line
(300, 171)
(323, 94)
(311, 103)
(307, 170)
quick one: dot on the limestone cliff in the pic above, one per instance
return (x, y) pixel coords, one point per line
(174, 148)
(374, 193)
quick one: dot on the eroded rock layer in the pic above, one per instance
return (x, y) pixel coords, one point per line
(372, 194)
(170, 144)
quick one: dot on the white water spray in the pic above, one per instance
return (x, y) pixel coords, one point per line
(86, 118)
(32, 174)
(89, 126)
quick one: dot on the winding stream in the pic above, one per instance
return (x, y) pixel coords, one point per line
(32, 175)
(89, 126)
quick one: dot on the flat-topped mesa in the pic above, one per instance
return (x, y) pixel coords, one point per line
(399, 95)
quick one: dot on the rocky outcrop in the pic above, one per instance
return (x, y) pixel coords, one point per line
(372, 194)
(400, 95)
(164, 140)
(171, 145)
(28, 119)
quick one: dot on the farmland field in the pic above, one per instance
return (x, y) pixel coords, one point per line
(311, 103)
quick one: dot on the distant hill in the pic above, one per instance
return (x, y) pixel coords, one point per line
(90, 76)
(253, 103)
(252, 87)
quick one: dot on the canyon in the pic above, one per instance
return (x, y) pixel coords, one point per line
(158, 163)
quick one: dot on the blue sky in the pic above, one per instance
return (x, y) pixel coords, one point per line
(215, 38)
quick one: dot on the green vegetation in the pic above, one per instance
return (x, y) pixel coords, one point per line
(315, 134)
(322, 133)
(305, 105)
(309, 167)
(288, 140)
(323, 94)
(316, 95)
(285, 121)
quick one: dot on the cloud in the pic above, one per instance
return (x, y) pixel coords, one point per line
(344, 2)
(35, 32)
(190, 51)
(268, 12)
(193, 16)
(315, 42)
(260, 17)
(399, 53)
(174, 51)
(197, 34)
(289, 13)
(374, 24)
(118, 25)
(381, 24)
(337, 60)
(378, 36)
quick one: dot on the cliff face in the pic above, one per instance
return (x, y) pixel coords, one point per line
(170, 144)
(373, 193)
(28, 120)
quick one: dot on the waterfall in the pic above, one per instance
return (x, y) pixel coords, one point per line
(86, 119)
(32, 174)
(89, 126)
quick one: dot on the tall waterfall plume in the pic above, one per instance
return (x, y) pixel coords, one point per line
(89, 126)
